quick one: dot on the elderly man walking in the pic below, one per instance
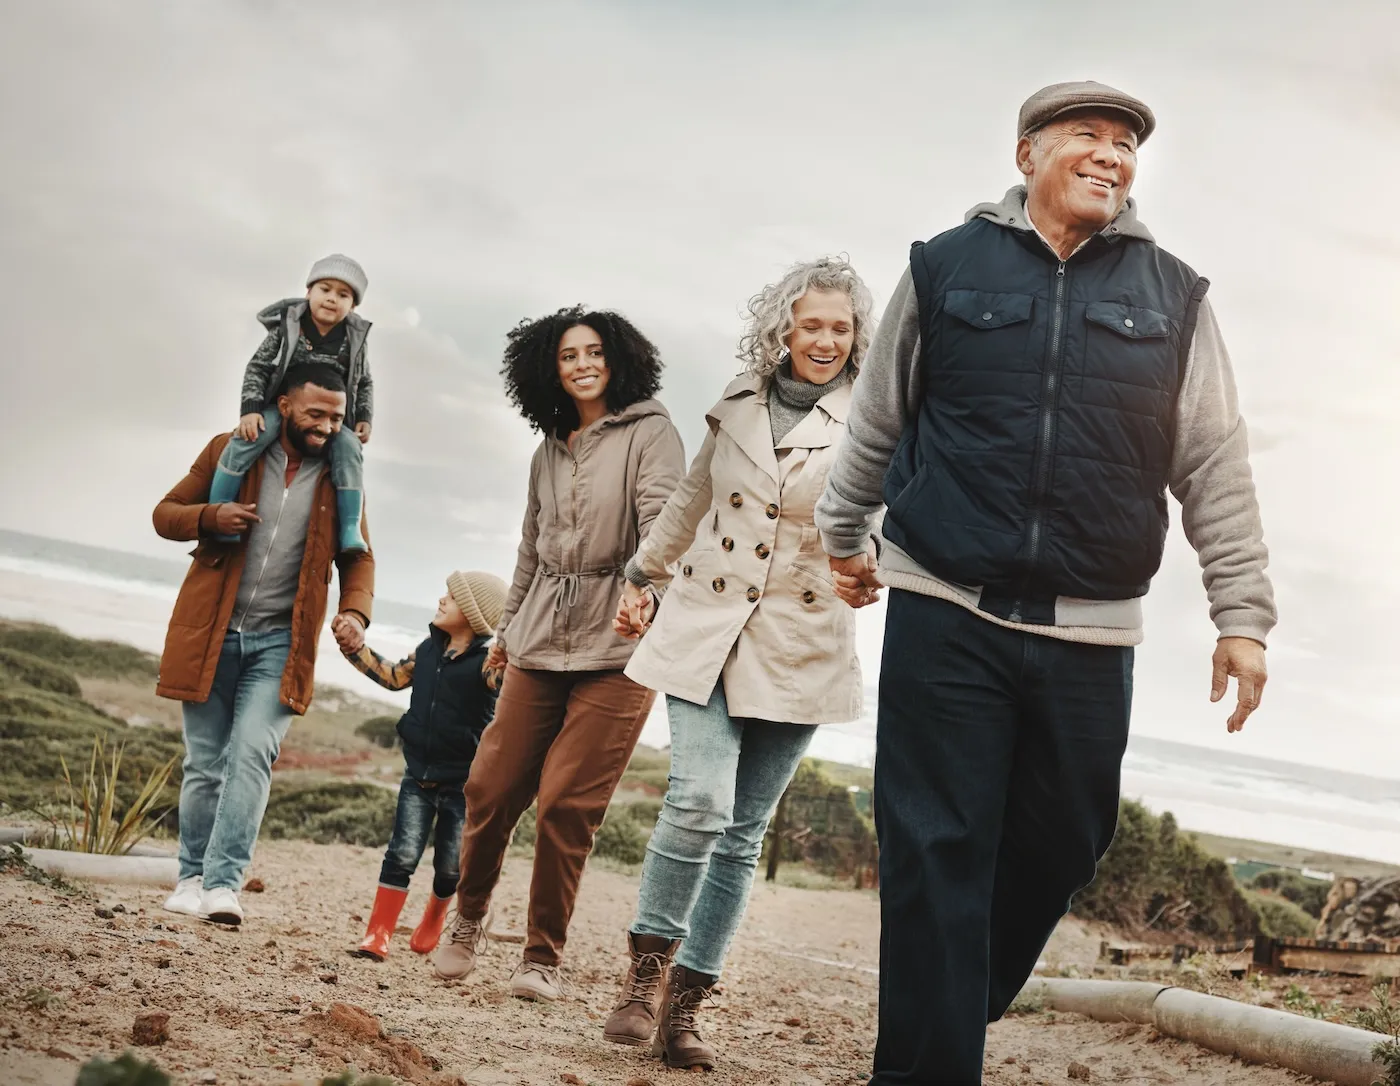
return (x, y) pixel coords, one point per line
(1043, 375)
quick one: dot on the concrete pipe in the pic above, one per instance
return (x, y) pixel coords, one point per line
(1324, 1050)
(133, 870)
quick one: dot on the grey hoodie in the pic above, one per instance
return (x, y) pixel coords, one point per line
(1209, 473)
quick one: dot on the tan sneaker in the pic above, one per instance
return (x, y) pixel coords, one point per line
(537, 981)
(456, 957)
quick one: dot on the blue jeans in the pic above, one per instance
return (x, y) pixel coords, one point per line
(231, 741)
(345, 453)
(726, 779)
(997, 756)
(419, 805)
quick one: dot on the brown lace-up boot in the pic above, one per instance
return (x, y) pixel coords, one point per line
(633, 1020)
(678, 1041)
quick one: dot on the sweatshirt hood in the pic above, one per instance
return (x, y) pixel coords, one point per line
(632, 412)
(272, 316)
(1010, 212)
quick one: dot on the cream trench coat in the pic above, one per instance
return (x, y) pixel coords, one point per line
(751, 595)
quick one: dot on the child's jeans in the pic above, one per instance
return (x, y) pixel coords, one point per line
(346, 456)
(419, 804)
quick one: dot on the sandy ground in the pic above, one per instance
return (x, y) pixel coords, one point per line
(258, 1005)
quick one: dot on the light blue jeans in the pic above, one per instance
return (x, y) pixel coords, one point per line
(231, 741)
(726, 779)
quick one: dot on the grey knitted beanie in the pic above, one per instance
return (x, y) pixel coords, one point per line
(339, 266)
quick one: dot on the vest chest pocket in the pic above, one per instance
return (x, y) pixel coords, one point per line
(1129, 345)
(985, 331)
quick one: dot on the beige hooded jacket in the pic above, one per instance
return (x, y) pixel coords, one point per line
(589, 508)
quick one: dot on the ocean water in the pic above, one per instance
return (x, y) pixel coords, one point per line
(1206, 789)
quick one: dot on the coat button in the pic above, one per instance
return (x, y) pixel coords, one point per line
(686, 570)
(986, 316)
(809, 596)
(1127, 322)
(772, 511)
(736, 499)
(762, 550)
(751, 595)
(727, 543)
(717, 584)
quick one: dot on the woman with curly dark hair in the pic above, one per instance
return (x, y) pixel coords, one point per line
(567, 718)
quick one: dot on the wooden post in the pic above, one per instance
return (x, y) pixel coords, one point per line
(776, 847)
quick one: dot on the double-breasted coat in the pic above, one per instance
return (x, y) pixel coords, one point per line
(750, 596)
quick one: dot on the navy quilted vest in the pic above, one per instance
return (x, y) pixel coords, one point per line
(1036, 466)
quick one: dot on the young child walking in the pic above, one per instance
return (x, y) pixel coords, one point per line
(451, 705)
(322, 327)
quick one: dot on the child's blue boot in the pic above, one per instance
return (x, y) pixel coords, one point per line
(349, 508)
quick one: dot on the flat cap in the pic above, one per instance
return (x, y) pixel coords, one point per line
(1046, 104)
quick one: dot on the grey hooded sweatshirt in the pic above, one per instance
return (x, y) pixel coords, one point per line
(1209, 475)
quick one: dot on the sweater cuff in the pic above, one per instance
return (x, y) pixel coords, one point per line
(845, 545)
(250, 407)
(1254, 627)
(633, 572)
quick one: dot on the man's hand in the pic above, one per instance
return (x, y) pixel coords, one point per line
(362, 430)
(250, 426)
(349, 633)
(233, 518)
(635, 610)
(493, 671)
(1243, 659)
(855, 579)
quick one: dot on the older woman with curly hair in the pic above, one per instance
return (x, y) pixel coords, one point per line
(567, 718)
(751, 644)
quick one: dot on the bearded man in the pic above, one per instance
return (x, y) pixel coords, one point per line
(240, 651)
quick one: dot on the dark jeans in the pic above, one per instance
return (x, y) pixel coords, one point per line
(996, 793)
(419, 805)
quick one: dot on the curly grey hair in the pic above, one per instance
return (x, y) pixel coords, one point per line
(763, 345)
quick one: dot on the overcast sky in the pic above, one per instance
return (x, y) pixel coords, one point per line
(171, 168)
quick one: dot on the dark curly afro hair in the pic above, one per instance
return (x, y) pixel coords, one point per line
(531, 368)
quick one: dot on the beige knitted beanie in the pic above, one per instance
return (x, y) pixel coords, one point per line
(481, 596)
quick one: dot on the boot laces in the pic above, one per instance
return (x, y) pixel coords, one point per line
(687, 1003)
(552, 973)
(645, 979)
(470, 933)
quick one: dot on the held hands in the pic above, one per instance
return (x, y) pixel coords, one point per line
(1243, 659)
(493, 671)
(854, 578)
(233, 518)
(349, 633)
(635, 610)
(250, 426)
(362, 430)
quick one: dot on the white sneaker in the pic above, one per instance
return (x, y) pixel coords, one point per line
(220, 906)
(186, 897)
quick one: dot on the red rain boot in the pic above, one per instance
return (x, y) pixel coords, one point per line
(424, 939)
(388, 903)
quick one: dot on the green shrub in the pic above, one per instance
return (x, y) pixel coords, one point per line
(648, 770)
(26, 669)
(1280, 918)
(97, 659)
(621, 837)
(1310, 895)
(126, 1070)
(1152, 874)
(822, 825)
(383, 731)
(350, 812)
(524, 836)
(37, 726)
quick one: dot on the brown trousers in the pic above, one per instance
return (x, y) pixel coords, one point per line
(564, 737)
